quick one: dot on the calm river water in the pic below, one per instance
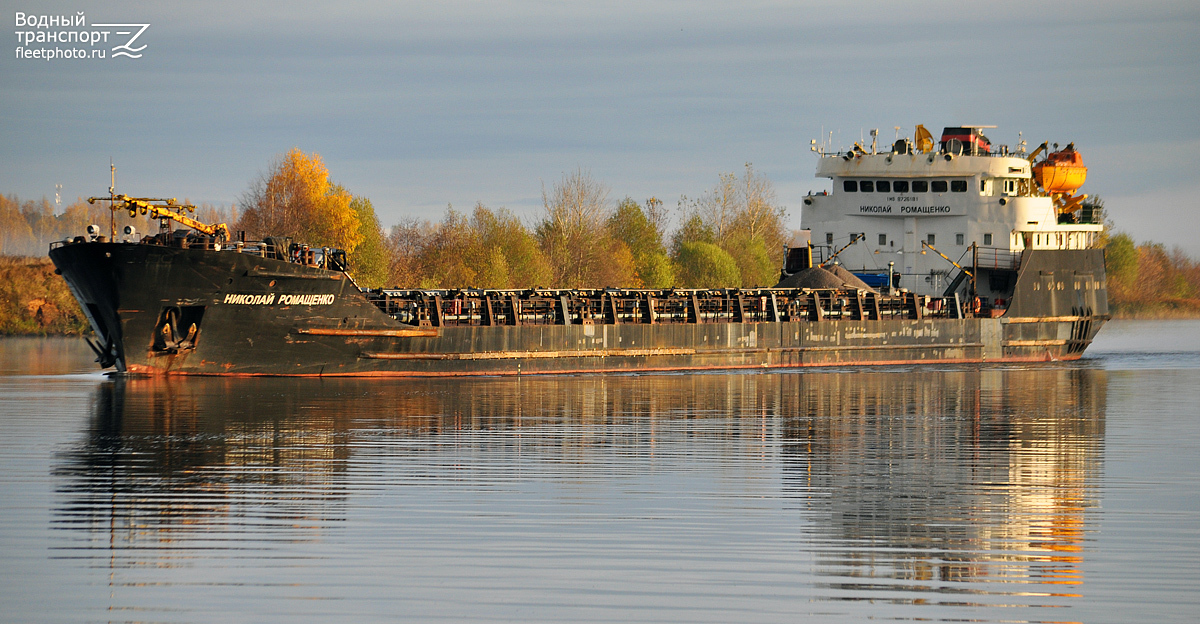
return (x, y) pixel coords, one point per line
(1047, 493)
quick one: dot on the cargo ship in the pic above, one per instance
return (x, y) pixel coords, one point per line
(1026, 285)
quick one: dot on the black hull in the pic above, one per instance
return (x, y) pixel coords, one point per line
(250, 315)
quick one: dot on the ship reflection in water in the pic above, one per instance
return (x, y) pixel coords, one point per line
(950, 487)
(731, 497)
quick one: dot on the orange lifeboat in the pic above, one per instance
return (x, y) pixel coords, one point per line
(1061, 172)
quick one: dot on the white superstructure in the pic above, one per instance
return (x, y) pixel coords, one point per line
(952, 197)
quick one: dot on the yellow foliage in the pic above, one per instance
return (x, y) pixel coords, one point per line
(491, 249)
(298, 200)
(369, 262)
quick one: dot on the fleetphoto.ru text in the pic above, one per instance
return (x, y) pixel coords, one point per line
(54, 37)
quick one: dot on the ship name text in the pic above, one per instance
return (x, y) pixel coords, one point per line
(905, 210)
(273, 299)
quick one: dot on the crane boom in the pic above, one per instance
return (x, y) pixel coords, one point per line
(854, 238)
(947, 259)
(164, 209)
(1041, 148)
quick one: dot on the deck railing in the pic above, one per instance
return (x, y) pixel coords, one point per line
(317, 257)
(996, 258)
(470, 307)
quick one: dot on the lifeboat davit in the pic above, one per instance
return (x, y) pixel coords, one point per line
(1061, 172)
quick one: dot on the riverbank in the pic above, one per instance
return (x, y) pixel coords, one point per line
(1183, 309)
(35, 301)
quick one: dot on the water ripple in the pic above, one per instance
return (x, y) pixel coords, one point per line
(961, 493)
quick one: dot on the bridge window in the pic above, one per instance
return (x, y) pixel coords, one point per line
(850, 186)
(938, 186)
(900, 186)
(930, 239)
(882, 240)
(958, 186)
(958, 239)
(867, 186)
(920, 186)
(1010, 187)
(883, 186)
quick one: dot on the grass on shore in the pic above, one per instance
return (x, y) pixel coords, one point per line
(36, 301)
(1157, 311)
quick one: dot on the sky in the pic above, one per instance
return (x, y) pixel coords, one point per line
(421, 105)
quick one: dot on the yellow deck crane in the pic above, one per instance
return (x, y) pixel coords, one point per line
(164, 209)
(854, 238)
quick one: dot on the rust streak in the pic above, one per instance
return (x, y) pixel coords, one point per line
(513, 355)
(945, 345)
(1054, 319)
(507, 355)
(416, 332)
(1036, 343)
(283, 275)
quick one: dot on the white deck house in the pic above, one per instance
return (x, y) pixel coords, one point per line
(951, 197)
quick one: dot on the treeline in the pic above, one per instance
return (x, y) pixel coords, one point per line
(28, 227)
(1148, 281)
(732, 235)
(584, 240)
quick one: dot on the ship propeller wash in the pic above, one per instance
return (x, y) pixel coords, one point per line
(921, 253)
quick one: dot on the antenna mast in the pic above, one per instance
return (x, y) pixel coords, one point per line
(112, 197)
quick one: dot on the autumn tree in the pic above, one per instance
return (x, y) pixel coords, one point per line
(705, 265)
(28, 227)
(759, 216)
(208, 213)
(575, 239)
(405, 243)
(442, 254)
(489, 249)
(369, 262)
(297, 199)
(1149, 280)
(739, 215)
(719, 208)
(1121, 260)
(16, 237)
(641, 231)
(693, 230)
(508, 255)
(41, 219)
